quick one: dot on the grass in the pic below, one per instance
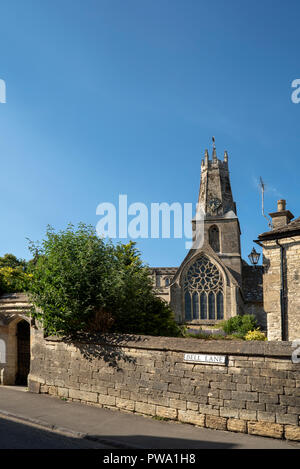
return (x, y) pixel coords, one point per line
(157, 417)
(214, 336)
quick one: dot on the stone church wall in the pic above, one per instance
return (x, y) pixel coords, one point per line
(253, 293)
(256, 308)
(256, 392)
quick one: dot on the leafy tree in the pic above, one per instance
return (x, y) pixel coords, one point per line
(82, 283)
(137, 309)
(14, 280)
(13, 276)
(10, 260)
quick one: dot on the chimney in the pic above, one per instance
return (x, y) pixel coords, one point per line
(282, 217)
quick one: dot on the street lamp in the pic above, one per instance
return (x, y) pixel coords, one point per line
(254, 257)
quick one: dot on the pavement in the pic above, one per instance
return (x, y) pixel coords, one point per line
(63, 424)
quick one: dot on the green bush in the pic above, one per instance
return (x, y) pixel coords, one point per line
(240, 325)
(82, 283)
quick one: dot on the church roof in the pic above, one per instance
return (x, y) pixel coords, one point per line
(163, 270)
(285, 231)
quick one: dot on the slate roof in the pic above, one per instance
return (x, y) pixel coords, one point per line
(163, 270)
(285, 231)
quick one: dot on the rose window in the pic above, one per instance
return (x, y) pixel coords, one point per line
(203, 291)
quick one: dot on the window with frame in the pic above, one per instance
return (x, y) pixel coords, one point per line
(203, 291)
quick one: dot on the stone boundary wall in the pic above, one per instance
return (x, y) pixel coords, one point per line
(256, 392)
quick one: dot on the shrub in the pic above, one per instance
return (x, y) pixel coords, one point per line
(237, 335)
(82, 283)
(232, 324)
(240, 324)
(256, 334)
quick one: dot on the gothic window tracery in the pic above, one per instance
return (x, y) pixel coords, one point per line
(203, 291)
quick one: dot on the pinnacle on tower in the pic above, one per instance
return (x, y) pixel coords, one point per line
(214, 153)
(206, 157)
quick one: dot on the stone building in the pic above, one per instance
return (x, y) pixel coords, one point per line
(281, 279)
(14, 338)
(213, 282)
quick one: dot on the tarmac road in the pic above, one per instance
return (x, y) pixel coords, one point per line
(111, 428)
(16, 435)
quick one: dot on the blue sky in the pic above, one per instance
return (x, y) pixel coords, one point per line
(108, 97)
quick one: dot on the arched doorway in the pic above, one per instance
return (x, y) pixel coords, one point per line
(23, 352)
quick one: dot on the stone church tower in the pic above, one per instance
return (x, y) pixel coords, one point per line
(213, 282)
(221, 225)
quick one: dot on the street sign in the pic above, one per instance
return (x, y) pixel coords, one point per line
(203, 358)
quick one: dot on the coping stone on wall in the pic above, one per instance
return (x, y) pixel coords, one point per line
(175, 344)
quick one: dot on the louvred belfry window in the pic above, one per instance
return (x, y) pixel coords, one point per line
(203, 291)
(214, 238)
